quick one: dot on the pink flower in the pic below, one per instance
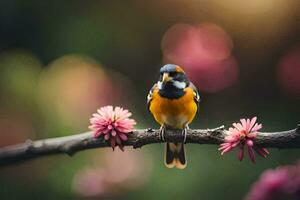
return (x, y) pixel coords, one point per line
(111, 180)
(113, 124)
(280, 183)
(241, 134)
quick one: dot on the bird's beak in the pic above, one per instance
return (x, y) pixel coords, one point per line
(165, 78)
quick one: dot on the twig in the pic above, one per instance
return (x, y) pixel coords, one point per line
(138, 138)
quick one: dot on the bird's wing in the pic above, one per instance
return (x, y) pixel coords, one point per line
(150, 96)
(196, 94)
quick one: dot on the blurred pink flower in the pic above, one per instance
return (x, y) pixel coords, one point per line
(288, 72)
(89, 182)
(113, 123)
(73, 105)
(205, 52)
(110, 179)
(241, 134)
(280, 183)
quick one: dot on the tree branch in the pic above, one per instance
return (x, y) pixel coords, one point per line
(138, 138)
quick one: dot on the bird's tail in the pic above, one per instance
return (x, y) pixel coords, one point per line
(175, 155)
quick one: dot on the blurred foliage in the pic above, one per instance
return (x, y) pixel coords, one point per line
(60, 60)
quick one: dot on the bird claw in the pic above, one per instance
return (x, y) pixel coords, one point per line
(162, 133)
(184, 133)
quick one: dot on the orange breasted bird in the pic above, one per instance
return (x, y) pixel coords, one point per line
(173, 101)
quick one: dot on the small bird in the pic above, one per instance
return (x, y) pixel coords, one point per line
(173, 101)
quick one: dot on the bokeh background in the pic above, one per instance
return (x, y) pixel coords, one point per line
(61, 60)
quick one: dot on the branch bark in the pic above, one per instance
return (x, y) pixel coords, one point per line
(138, 138)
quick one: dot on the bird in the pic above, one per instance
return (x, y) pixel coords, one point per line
(173, 101)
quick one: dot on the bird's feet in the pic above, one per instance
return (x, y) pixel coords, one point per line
(162, 132)
(184, 133)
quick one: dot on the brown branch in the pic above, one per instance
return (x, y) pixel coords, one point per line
(138, 138)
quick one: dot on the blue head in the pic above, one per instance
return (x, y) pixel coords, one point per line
(172, 81)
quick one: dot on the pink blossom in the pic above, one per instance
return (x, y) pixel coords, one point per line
(280, 183)
(109, 179)
(205, 50)
(242, 134)
(113, 123)
(288, 72)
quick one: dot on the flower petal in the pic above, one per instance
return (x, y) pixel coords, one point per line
(252, 135)
(256, 127)
(123, 137)
(244, 124)
(113, 133)
(238, 126)
(247, 128)
(229, 148)
(234, 144)
(240, 154)
(113, 142)
(252, 122)
(224, 146)
(262, 152)
(249, 143)
(251, 154)
(118, 140)
(107, 136)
